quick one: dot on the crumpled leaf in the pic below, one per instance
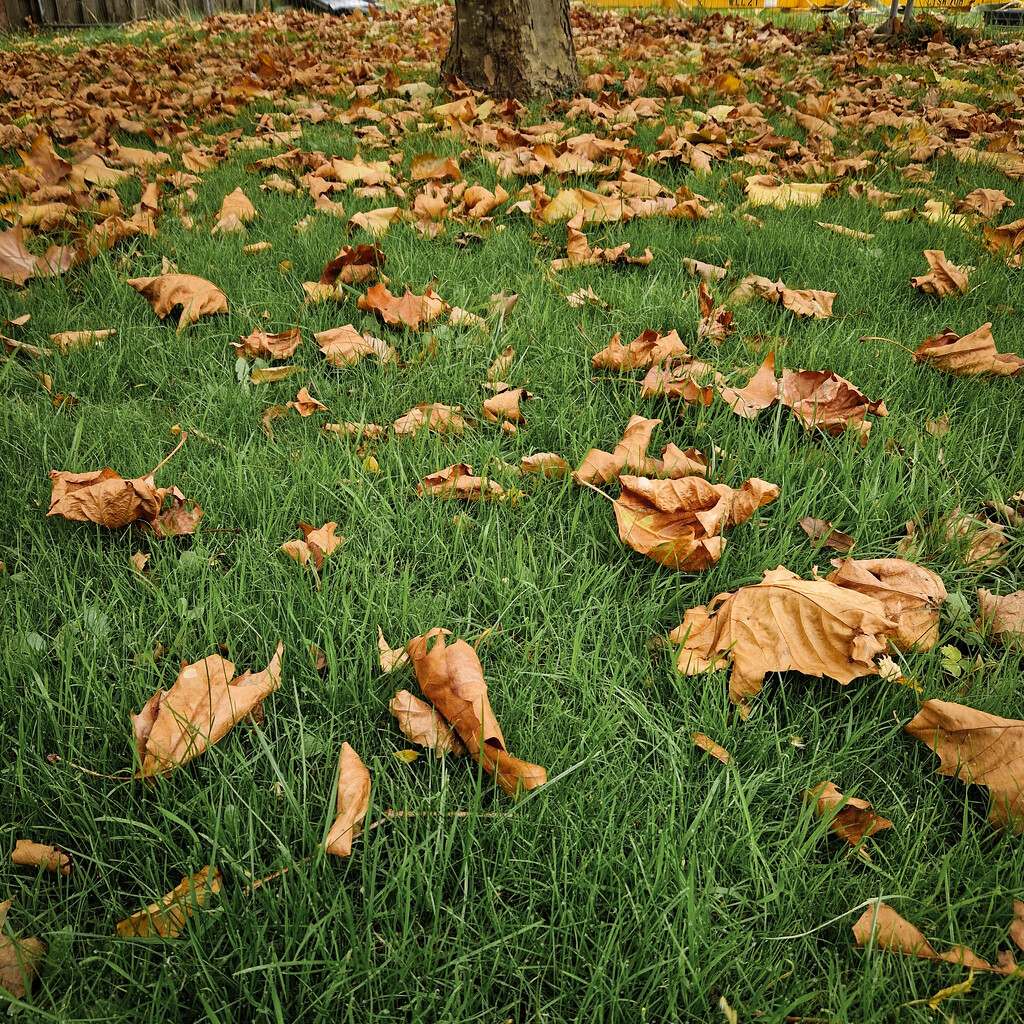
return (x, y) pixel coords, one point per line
(705, 271)
(648, 349)
(781, 624)
(20, 959)
(178, 519)
(430, 166)
(803, 302)
(390, 658)
(761, 192)
(444, 419)
(377, 221)
(353, 803)
(345, 346)
(822, 400)
(316, 545)
(688, 380)
(235, 212)
(169, 915)
(260, 345)
(353, 265)
(603, 467)
(504, 406)
(424, 725)
(679, 522)
(821, 533)
(1002, 617)
(715, 321)
(176, 725)
(544, 464)
(850, 818)
(944, 278)
(452, 679)
(986, 202)
(980, 542)
(40, 855)
(305, 404)
(500, 367)
(579, 254)
(67, 340)
(761, 391)
(910, 594)
(979, 749)
(196, 296)
(18, 265)
(414, 311)
(970, 355)
(458, 482)
(716, 750)
(883, 927)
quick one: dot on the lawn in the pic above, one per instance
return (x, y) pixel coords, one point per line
(645, 881)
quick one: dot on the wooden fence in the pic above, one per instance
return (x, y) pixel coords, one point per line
(16, 14)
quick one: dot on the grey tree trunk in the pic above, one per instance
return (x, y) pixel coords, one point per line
(519, 48)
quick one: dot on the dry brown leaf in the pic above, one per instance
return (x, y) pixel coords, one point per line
(1017, 927)
(138, 562)
(196, 296)
(305, 404)
(377, 222)
(39, 855)
(687, 380)
(885, 928)
(200, 708)
(504, 406)
(353, 803)
(823, 535)
(715, 321)
(1007, 241)
(803, 302)
(169, 915)
(18, 265)
(714, 749)
(444, 419)
(764, 192)
(1002, 617)
(353, 265)
(782, 624)
(910, 594)
(825, 401)
(429, 166)
(459, 483)
(316, 545)
(603, 467)
(970, 355)
(451, 677)
(357, 431)
(586, 297)
(178, 519)
(980, 543)
(498, 370)
(761, 391)
(20, 959)
(424, 725)
(986, 202)
(839, 229)
(980, 749)
(706, 271)
(345, 346)
(545, 464)
(579, 254)
(679, 522)
(414, 311)
(390, 658)
(648, 349)
(850, 818)
(272, 374)
(501, 305)
(235, 212)
(944, 279)
(260, 345)
(67, 340)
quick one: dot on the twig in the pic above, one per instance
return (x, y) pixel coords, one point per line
(585, 483)
(184, 438)
(55, 759)
(891, 342)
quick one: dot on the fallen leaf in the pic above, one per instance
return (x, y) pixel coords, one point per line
(761, 392)
(679, 522)
(849, 818)
(1017, 928)
(178, 519)
(910, 594)
(39, 855)
(169, 915)
(235, 212)
(305, 404)
(353, 265)
(260, 345)
(986, 202)
(715, 321)
(255, 247)
(783, 624)
(944, 279)
(345, 346)
(713, 748)
(272, 374)
(377, 222)
(766, 193)
(20, 959)
(67, 340)
(357, 431)
(1002, 617)
(452, 679)
(706, 271)
(979, 749)
(803, 302)
(839, 229)
(18, 265)
(825, 401)
(200, 708)
(823, 535)
(390, 658)
(414, 311)
(545, 464)
(424, 725)
(647, 349)
(444, 419)
(586, 297)
(138, 562)
(429, 166)
(504, 406)
(500, 367)
(580, 254)
(972, 354)
(459, 483)
(883, 927)
(688, 380)
(353, 803)
(979, 542)
(195, 295)
(316, 545)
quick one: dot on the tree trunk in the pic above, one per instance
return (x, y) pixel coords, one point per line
(519, 48)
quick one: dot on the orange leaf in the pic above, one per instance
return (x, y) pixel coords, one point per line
(39, 855)
(20, 959)
(424, 725)
(713, 748)
(944, 279)
(970, 355)
(168, 916)
(849, 818)
(195, 295)
(345, 346)
(353, 803)
(414, 311)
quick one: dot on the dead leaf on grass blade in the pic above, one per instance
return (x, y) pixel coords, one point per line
(1002, 617)
(169, 915)
(424, 725)
(850, 818)
(971, 355)
(32, 854)
(196, 296)
(353, 803)
(20, 959)
(821, 533)
(944, 278)
(316, 545)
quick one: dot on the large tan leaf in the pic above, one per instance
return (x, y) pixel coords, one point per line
(235, 212)
(944, 278)
(423, 724)
(648, 349)
(444, 419)
(803, 302)
(849, 817)
(781, 196)
(980, 749)
(18, 265)
(910, 594)
(414, 311)
(169, 915)
(345, 346)
(451, 677)
(458, 483)
(825, 401)
(200, 708)
(429, 166)
(761, 391)
(196, 296)
(970, 355)
(782, 624)
(1002, 616)
(353, 803)
(679, 522)
(603, 467)
(883, 927)
(20, 959)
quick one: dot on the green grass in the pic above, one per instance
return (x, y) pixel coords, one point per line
(645, 880)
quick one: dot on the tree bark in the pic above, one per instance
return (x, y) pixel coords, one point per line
(520, 48)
